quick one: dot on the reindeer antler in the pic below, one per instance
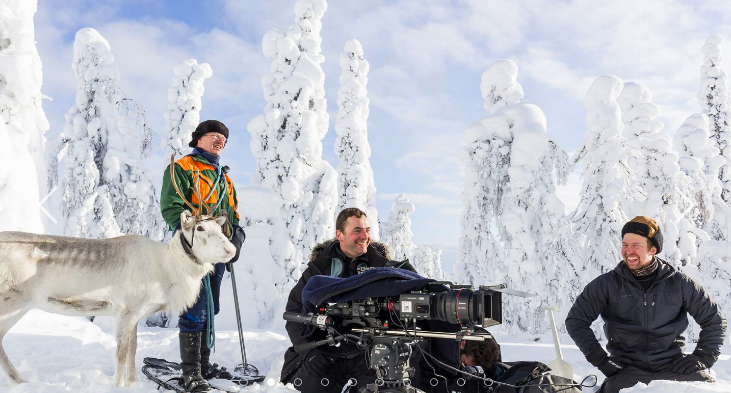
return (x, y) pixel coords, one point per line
(197, 191)
(195, 211)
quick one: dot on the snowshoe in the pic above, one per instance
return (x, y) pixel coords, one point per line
(169, 375)
(246, 369)
(214, 371)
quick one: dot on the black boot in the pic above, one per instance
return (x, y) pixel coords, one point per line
(208, 370)
(190, 356)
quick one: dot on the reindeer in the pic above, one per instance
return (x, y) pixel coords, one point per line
(128, 277)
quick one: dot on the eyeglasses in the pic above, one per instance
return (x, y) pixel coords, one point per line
(217, 137)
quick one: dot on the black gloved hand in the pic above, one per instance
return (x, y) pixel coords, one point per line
(237, 239)
(688, 364)
(611, 366)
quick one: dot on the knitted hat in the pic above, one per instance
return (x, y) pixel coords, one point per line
(646, 227)
(207, 127)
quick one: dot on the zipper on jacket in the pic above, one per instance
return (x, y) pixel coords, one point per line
(654, 298)
(644, 336)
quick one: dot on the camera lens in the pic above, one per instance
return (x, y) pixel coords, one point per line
(463, 307)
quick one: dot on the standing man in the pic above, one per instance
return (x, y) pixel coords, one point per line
(328, 369)
(644, 303)
(218, 192)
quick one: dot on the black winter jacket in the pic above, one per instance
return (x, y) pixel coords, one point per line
(644, 329)
(320, 263)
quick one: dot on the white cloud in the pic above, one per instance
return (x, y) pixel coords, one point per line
(432, 47)
(498, 24)
(544, 67)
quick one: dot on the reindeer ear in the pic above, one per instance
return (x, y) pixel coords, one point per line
(220, 220)
(186, 220)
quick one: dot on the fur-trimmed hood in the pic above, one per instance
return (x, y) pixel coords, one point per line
(381, 248)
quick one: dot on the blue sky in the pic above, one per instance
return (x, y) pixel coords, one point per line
(426, 60)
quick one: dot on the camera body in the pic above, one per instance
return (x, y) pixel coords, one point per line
(457, 305)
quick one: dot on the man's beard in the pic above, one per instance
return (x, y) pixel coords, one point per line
(645, 270)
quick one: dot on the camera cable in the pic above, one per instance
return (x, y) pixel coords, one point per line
(489, 381)
(426, 360)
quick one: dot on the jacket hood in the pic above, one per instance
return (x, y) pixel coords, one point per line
(381, 248)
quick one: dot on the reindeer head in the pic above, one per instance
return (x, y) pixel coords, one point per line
(208, 243)
(205, 236)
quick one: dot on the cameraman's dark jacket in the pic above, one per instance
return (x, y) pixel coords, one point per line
(321, 263)
(644, 329)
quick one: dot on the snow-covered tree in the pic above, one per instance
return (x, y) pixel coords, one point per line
(499, 85)
(700, 162)
(106, 191)
(560, 256)
(526, 140)
(320, 197)
(712, 268)
(608, 181)
(262, 254)
(428, 262)
(486, 163)
(540, 254)
(696, 183)
(23, 123)
(640, 125)
(184, 105)
(695, 150)
(713, 98)
(657, 171)
(512, 170)
(356, 187)
(287, 138)
(396, 231)
(714, 263)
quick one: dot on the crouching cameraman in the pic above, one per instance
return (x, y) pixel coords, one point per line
(481, 359)
(327, 368)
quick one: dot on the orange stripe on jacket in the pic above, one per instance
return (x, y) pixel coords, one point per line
(188, 164)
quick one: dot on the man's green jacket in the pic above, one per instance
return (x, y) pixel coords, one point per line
(186, 170)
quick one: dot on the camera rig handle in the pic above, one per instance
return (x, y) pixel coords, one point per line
(310, 319)
(331, 340)
(320, 321)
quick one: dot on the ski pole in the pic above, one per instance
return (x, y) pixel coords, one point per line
(238, 316)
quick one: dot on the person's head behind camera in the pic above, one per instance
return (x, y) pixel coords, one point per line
(480, 353)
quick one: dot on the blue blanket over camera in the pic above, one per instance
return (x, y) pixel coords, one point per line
(376, 282)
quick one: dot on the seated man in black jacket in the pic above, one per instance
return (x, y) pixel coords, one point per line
(644, 303)
(328, 369)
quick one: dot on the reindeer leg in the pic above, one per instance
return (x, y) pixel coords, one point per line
(123, 330)
(131, 352)
(10, 314)
(133, 319)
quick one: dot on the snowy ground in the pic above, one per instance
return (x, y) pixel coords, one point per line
(71, 354)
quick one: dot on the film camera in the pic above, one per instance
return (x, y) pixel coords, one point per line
(389, 327)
